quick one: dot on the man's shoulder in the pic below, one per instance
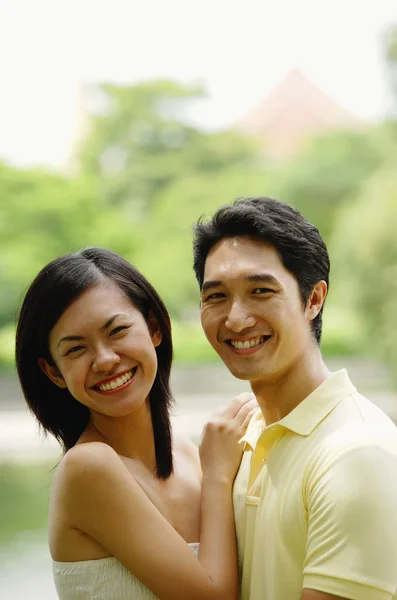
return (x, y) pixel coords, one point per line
(360, 431)
(355, 421)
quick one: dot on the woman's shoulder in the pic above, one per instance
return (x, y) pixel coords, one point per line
(85, 461)
(82, 474)
(89, 453)
(184, 445)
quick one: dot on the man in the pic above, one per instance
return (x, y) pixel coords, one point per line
(316, 495)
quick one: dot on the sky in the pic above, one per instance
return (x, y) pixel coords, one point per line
(239, 50)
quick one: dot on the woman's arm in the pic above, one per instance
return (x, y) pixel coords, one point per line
(105, 502)
(220, 458)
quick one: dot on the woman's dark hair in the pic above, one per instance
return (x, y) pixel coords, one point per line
(297, 241)
(52, 291)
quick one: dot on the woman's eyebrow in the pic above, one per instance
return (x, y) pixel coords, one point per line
(77, 338)
(70, 338)
(110, 321)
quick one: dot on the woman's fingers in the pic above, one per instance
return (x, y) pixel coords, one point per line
(220, 452)
(237, 404)
(219, 411)
(235, 417)
(245, 409)
(249, 416)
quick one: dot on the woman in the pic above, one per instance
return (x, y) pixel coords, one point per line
(93, 352)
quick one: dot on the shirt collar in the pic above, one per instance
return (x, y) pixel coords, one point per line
(305, 417)
(316, 406)
(254, 431)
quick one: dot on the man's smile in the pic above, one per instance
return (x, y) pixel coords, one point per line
(248, 346)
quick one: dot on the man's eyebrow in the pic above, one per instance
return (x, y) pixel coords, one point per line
(263, 278)
(77, 338)
(209, 285)
(257, 278)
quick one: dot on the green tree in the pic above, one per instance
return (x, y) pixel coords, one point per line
(328, 171)
(139, 143)
(44, 215)
(364, 249)
(166, 254)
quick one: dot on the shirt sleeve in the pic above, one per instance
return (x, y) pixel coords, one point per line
(351, 502)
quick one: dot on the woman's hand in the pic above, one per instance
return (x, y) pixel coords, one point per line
(220, 452)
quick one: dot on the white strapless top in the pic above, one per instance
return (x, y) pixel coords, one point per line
(101, 579)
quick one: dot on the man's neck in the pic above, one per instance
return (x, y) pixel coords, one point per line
(279, 396)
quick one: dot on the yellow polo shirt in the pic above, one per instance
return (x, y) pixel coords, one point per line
(315, 500)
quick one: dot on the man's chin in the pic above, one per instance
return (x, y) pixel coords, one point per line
(243, 374)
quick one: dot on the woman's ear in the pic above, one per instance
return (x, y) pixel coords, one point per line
(155, 332)
(52, 372)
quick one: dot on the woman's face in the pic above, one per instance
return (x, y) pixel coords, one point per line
(104, 351)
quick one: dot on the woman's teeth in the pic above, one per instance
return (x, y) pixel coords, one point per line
(248, 343)
(115, 383)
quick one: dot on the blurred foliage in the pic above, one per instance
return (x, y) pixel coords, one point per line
(17, 484)
(168, 232)
(137, 143)
(365, 255)
(7, 347)
(143, 175)
(329, 169)
(190, 343)
(44, 215)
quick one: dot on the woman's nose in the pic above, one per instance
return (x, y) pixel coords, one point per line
(105, 359)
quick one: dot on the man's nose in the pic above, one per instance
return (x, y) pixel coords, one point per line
(239, 318)
(105, 359)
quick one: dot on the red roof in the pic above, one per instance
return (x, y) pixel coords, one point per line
(294, 110)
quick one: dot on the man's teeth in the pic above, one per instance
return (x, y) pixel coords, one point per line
(115, 383)
(248, 343)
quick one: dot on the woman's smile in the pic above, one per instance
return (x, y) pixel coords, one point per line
(117, 383)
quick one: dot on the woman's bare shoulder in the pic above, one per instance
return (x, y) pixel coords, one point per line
(86, 460)
(184, 444)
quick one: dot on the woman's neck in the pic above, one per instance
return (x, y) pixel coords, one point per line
(131, 436)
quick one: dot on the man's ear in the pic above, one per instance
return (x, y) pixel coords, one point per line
(316, 300)
(52, 373)
(155, 332)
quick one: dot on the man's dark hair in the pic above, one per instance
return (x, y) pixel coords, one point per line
(56, 286)
(298, 242)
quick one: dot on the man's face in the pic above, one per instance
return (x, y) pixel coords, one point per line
(252, 312)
